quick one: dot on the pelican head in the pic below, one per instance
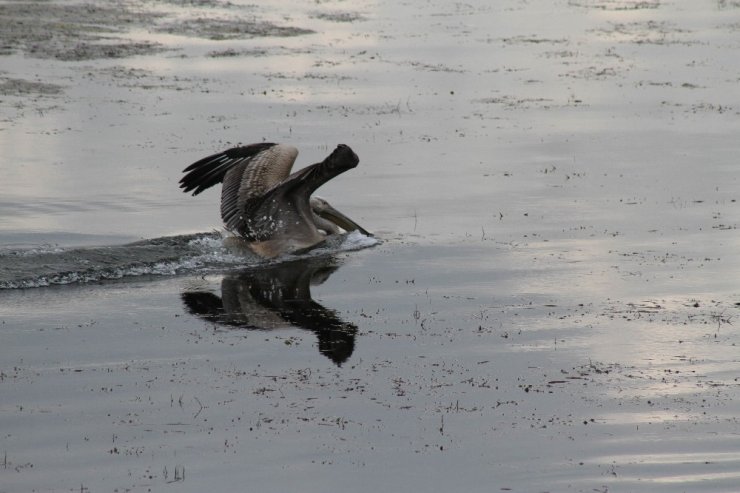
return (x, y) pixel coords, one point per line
(342, 158)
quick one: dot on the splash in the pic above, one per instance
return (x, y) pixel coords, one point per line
(357, 241)
(166, 256)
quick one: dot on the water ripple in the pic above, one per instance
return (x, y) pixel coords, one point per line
(170, 255)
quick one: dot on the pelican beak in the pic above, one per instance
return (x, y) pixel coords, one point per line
(331, 214)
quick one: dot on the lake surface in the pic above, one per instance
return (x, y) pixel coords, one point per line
(551, 303)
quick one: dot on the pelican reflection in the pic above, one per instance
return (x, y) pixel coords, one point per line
(276, 296)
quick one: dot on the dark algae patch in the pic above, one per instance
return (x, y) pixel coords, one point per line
(220, 29)
(87, 31)
(72, 32)
(20, 87)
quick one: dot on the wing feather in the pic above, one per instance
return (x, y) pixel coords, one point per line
(265, 171)
(247, 174)
(209, 171)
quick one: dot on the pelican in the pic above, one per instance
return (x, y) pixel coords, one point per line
(266, 205)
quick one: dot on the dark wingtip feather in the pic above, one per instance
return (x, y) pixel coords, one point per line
(209, 171)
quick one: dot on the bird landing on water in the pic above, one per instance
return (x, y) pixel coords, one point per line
(264, 204)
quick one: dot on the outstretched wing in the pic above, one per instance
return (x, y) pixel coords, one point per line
(209, 171)
(246, 173)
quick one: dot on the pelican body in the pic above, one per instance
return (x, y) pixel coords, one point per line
(266, 205)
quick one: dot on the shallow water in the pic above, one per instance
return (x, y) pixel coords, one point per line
(47, 265)
(554, 186)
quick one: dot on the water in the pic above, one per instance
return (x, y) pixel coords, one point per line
(48, 265)
(551, 306)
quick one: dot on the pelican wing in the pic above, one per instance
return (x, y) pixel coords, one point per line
(210, 171)
(247, 174)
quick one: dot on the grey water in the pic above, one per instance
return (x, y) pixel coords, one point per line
(46, 265)
(552, 303)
